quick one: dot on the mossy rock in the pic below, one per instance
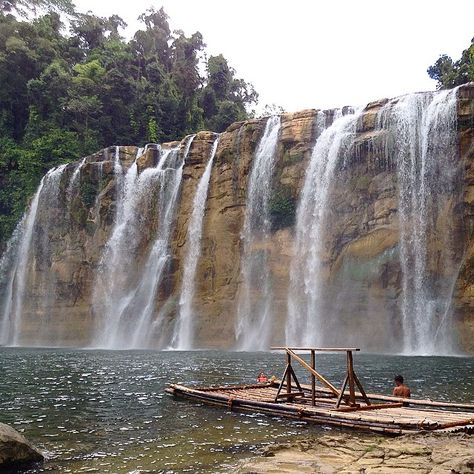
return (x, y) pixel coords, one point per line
(226, 156)
(282, 208)
(90, 228)
(360, 183)
(88, 192)
(78, 214)
(291, 157)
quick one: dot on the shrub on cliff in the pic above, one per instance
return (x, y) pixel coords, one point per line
(282, 208)
(449, 73)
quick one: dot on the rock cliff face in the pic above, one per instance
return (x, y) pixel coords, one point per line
(362, 280)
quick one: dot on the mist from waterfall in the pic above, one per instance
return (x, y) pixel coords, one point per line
(422, 142)
(124, 296)
(253, 328)
(306, 321)
(28, 239)
(183, 334)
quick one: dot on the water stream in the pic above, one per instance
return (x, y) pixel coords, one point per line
(134, 302)
(306, 320)
(422, 141)
(183, 334)
(253, 329)
(16, 261)
(118, 297)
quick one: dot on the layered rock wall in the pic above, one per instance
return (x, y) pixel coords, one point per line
(362, 274)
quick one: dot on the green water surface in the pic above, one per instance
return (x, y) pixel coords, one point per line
(106, 411)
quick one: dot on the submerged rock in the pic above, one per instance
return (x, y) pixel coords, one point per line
(15, 449)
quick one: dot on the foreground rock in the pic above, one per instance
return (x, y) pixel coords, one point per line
(15, 449)
(434, 454)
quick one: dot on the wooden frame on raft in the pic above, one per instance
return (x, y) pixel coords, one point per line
(350, 378)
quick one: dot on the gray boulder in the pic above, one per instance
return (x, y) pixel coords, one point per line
(15, 449)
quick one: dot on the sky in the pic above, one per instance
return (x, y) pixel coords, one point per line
(318, 54)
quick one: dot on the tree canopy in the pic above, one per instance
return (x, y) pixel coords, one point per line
(449, 73)
(67, 93)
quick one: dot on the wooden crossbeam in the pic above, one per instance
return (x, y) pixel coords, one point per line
(317, 349)
(290, 395)
(314, 372)
(377, 406)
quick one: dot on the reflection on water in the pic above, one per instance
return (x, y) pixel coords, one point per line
(106, 412)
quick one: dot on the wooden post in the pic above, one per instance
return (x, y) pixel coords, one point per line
(288, 374)
(350, 374)
(313, 378)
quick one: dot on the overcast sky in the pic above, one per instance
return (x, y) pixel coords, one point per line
(318, 54)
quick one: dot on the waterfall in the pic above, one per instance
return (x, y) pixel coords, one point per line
(169, 181)
(253, 329)
(422, 128)
(15, 263)
(8, 269)
(183, 335)
(305, 322)
(117, 260)
(75, 179)
(124, 297)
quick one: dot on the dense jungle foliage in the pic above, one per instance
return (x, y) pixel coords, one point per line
(69, 91)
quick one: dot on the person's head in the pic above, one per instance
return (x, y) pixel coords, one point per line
(398, 380)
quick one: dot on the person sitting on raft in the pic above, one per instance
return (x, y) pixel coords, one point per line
(262, 378)
(400, 389)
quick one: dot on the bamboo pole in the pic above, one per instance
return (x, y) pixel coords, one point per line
(411, 401)
(341, 393)
(378, 406)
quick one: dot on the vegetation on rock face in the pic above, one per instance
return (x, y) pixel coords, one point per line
(282, 208)
(449, 73)
(66, 94)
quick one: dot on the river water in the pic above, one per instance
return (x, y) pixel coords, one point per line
(106, 411)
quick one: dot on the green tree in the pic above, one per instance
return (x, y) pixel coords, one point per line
(449, 73)
(225, 98)
(67, 93)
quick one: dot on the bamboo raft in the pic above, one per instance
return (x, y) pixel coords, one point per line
(327, 405)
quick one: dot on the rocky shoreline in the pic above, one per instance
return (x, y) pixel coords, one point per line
(347, 453)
